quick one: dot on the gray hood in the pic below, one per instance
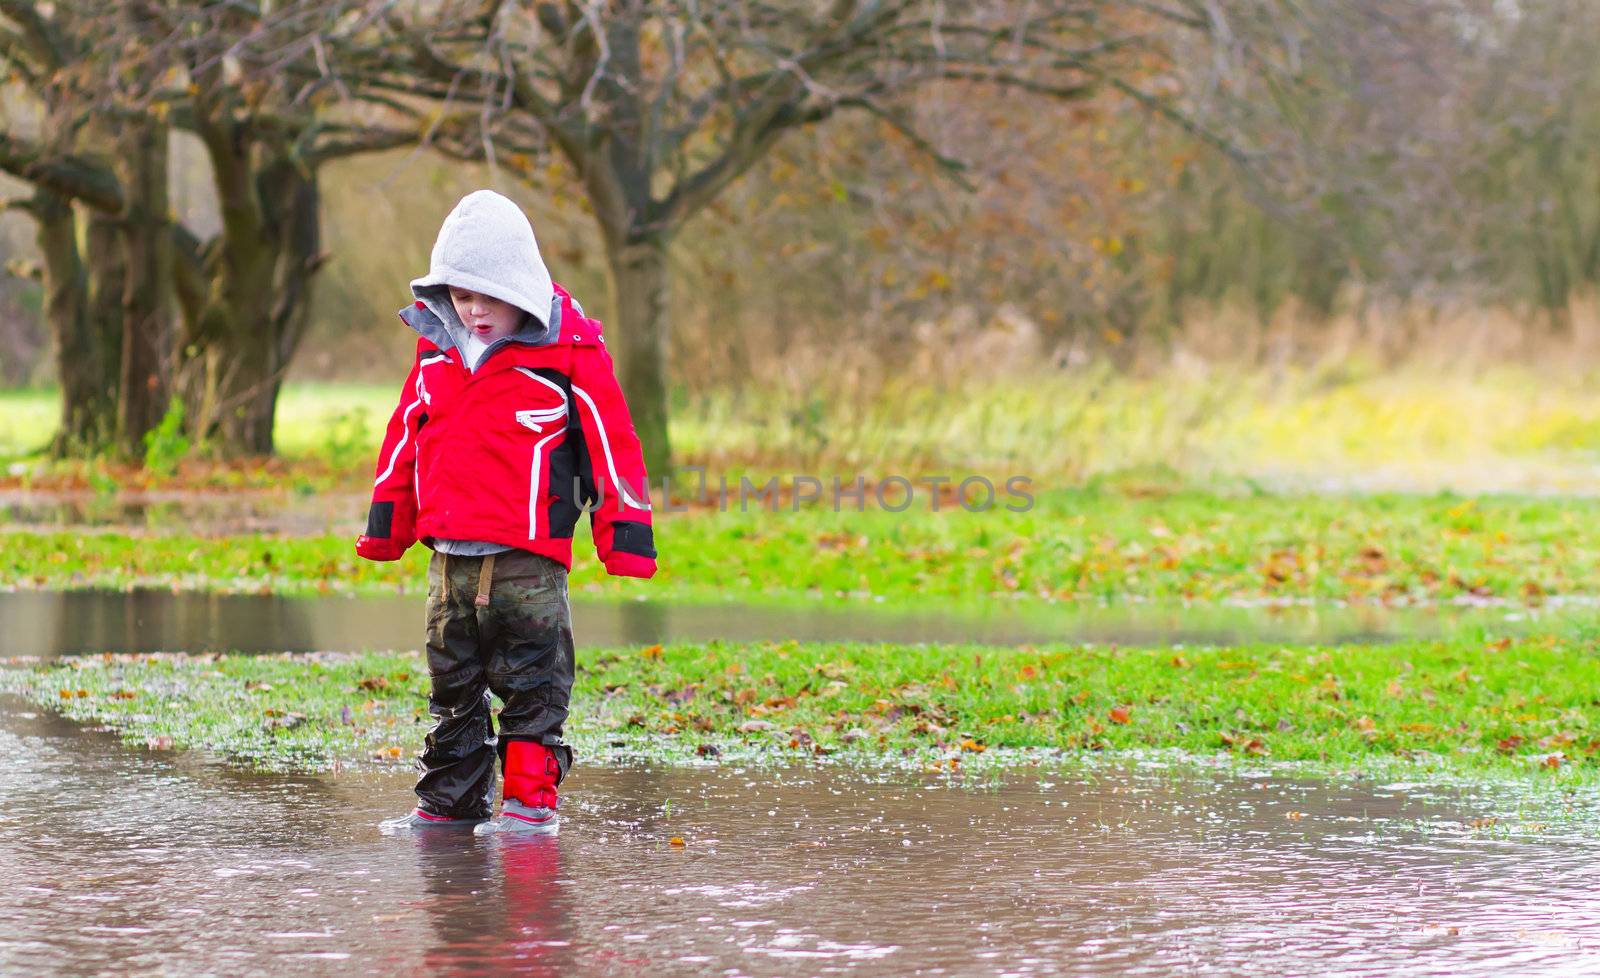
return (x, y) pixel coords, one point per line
(486, 244)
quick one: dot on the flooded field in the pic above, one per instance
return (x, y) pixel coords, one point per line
(127, 861)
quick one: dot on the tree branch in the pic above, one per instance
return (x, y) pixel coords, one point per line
(65, 174)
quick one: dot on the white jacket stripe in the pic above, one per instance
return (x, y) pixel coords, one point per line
(605, 443)
(538, 451)
(405, 433)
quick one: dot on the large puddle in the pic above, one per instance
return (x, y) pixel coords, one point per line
(51, 623)
(123, 861)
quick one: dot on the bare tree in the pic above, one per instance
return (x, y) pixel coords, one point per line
(1432, 150)
(88, 291)
(257, 96)
(217, 320)
(658, 106)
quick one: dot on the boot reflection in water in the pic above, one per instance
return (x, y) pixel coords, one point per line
(535, 910)
(495, 908)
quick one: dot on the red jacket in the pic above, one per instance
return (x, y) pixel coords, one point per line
(514, 452)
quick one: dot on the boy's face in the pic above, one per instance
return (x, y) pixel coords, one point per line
(488, 318)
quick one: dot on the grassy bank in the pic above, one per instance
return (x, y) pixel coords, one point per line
(1521, 708)
(1113, 542)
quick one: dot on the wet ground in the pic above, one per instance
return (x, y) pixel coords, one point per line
(211, 513)
(47, 624)
(51, 623)
(128, 862)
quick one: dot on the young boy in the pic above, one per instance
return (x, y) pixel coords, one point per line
(510, 424)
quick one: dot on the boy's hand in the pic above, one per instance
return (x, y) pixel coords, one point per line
(379, 548)
(621, 564)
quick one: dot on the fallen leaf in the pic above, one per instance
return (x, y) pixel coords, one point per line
(1120, 714)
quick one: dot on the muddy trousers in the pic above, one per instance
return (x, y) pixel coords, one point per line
(506, 629)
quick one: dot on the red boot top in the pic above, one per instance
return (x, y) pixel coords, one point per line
(531, 774)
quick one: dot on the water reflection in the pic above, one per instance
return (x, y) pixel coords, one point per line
(125, 861)
(496, 906)
(50, 623)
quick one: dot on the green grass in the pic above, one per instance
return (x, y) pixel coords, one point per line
(28, 420)
(1508, 709)
(342, 423)
(1108, 543)
(1147, 519)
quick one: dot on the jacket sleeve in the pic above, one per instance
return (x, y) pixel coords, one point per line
(392, 519)
(620, 513)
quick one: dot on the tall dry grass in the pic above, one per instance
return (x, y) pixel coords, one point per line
(1401, 397)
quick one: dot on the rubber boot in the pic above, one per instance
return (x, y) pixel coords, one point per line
(530, 799)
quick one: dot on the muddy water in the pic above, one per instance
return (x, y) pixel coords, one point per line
(124, 861)
(50, 623)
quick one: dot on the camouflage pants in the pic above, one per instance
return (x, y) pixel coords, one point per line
(518, 647)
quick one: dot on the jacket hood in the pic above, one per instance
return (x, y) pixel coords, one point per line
(486, 244)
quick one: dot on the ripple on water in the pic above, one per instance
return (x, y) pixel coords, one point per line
(130, 861)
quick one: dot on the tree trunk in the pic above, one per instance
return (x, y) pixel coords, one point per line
(639, 288)
(259, 316)
(231, 379)
(147, 287)
(86, 371)
(293, 226)
(249, 395)
(106, 274)
(254, 312)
